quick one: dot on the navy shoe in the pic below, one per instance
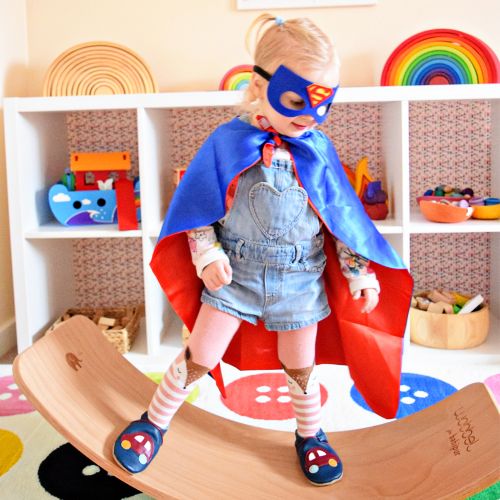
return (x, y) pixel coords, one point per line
(320, 464)
(138, 444)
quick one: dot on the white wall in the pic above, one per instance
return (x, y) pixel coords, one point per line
(190, 44)
(13, 82)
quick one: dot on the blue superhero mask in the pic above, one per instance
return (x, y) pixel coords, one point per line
(313, 99)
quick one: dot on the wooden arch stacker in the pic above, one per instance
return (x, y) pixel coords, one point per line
(88, 391)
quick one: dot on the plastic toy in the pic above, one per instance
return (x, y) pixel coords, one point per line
(441, 56)
(96, 190)
(237, 78)
(108, 391)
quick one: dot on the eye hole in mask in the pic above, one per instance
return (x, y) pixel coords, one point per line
(292, 100)
(323, 110)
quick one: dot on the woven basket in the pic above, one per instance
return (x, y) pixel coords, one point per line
(122, 334)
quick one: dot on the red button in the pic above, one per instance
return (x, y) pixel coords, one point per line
(263, 396)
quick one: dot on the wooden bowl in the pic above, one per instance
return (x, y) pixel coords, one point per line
(441, 212)
(449, 331)
(486, 212)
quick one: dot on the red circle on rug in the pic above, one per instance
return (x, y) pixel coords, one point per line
(12, 402)
(264, 396)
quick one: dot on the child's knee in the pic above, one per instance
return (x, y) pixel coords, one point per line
(301, 380)
(188, 370)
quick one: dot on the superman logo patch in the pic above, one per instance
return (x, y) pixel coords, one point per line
(318, 94)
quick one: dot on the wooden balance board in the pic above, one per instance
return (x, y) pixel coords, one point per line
(88, 391)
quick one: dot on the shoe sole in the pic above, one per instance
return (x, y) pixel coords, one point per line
(327, 484)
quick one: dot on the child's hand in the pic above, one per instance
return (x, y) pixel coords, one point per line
(217, 274)
(371, 299)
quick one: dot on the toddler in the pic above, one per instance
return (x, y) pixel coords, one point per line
(264, 236)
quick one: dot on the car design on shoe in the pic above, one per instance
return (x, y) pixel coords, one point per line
(140, 443)
(318, 457)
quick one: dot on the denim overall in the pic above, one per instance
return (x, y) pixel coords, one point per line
(273, 240)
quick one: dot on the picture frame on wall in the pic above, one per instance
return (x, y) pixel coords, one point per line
(297, 4)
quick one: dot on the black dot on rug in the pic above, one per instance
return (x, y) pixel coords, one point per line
(69, 475)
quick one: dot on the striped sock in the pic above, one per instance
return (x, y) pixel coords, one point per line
(170, 395)
(306, 404)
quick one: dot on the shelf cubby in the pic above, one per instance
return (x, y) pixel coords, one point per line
(414, 137)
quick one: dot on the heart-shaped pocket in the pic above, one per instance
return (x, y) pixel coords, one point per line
(275, 212)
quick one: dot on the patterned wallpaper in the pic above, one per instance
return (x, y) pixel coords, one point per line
(104, 131)
(459, 262)
(449, 143)
(354, 128)
(108, 272)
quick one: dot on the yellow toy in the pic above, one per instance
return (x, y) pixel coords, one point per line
(362, 177)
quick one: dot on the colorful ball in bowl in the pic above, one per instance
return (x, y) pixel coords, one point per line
(439, 198)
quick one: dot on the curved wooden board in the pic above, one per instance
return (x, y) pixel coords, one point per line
(88, 392)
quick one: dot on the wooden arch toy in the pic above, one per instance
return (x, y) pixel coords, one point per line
(88, 391)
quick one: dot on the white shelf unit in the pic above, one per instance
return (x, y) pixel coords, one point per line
(37, 152)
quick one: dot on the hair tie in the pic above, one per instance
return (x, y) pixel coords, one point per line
(279, 20)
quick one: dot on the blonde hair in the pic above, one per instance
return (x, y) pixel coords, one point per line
(273, 41)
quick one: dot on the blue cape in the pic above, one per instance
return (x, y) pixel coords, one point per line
(370, 344)
(233, 147)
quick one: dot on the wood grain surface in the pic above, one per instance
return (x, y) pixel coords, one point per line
(89, 392)
(97, 68)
